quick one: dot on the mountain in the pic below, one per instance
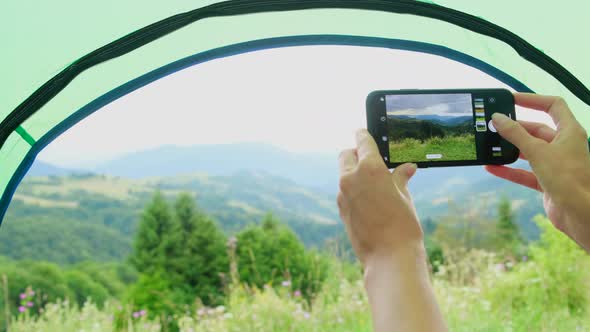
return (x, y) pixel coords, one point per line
(41, 168)
(97, 215)
(312, 170)
(440, 192)
(444, 120)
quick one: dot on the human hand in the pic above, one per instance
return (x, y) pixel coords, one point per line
(375, 204)
(386, 236)
(559, 159)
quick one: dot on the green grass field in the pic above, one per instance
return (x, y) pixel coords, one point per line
(451, 148)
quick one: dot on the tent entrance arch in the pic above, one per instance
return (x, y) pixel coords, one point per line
(243, 48)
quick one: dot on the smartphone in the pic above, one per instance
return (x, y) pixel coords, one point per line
(435, 128)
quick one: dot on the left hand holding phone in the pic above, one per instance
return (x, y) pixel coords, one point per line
(385, 233)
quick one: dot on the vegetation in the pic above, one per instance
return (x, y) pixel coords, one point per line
(182, 272)
(546, 291)
(411, 139)
(451, 148)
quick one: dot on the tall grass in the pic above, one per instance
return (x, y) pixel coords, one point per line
(451, 147)
(477, 290)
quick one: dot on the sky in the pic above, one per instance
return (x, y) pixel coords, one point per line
(301, 99)
(429, 104)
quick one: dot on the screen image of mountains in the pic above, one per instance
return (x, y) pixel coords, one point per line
(430, 127)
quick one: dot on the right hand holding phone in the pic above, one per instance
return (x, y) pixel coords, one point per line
(560, 161)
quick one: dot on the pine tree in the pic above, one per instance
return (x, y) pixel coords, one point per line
(152, 236)
(200, 257)
(508, 235)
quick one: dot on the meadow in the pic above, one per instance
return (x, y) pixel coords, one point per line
(460, 147)
(546, 288)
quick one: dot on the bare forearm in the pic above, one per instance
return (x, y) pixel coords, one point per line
(400, 293)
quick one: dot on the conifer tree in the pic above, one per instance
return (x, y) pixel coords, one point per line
(508, 235)
(152, 236)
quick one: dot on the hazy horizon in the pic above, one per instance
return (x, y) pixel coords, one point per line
(312, 107)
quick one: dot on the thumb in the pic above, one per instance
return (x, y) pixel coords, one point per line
(516, 134)
(403, 173)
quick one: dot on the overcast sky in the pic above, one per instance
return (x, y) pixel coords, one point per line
(304, 99)
(443, 105)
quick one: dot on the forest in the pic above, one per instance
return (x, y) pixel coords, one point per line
(185, 273)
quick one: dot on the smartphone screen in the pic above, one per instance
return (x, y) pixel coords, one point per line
(440, 127)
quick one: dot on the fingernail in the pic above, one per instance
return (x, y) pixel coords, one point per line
(500, 120)
(412, 169)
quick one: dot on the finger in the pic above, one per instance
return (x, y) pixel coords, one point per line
(518, 176)
(347, 161)
(515, 133)
(366, 146)
(539, 130)
(556, 107)
(403, 173)
(522, 156)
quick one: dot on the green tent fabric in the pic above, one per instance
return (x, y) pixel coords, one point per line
(55, 63)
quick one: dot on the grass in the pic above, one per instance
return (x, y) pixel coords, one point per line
(476, 290)
(451, 147)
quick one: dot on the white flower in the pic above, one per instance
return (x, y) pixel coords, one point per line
(228, 315)
(220, 309)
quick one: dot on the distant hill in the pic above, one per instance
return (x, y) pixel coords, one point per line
(428, 126)
(312, 170)
(443, 120)
(95, 210)
(41, 168)
(100, 212)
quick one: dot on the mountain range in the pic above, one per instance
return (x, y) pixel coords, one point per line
(106, 201)
(444, 120)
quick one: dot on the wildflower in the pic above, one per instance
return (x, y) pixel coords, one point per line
(228, 315)
(31, 293)
(23, 296)
(201, 312)
(22, 309)
(29, 304)
(297, 293)
(306, 315)
(525, 258)
(210, 312)
(286, 283)
(220, 309)
(266, 286)
(136, 314)
(142, 312)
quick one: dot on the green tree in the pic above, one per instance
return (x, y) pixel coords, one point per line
(153, 236)
(464, 227)
(84, 288)
(202, 262)
(271, 254)
(508, 238)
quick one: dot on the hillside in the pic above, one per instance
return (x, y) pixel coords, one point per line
(98, 211)
(312, 170)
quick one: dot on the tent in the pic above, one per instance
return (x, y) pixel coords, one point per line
(61, 61)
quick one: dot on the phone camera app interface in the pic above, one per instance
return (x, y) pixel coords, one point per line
(433, 127)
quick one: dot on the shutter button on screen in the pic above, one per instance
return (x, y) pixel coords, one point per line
(491, 127)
